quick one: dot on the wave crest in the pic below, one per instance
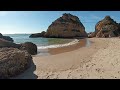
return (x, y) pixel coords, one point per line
(59, 45)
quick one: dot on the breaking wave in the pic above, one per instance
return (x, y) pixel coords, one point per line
(59, 45)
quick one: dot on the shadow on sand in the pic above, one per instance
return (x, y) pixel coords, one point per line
(28, 74)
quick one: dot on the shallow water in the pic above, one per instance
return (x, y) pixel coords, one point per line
(21, 38)
(43, 44)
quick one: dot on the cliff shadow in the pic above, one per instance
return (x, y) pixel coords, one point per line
(28, 74)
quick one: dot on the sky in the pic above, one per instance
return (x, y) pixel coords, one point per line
(13, 22)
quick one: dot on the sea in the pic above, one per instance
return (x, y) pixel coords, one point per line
(42, 43)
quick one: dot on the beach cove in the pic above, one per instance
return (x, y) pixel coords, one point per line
(99, 60)
(68, 47)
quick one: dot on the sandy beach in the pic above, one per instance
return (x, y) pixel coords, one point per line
(100, 60)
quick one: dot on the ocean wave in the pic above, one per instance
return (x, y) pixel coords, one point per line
(59, 45)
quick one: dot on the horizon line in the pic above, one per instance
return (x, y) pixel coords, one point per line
(26, 33)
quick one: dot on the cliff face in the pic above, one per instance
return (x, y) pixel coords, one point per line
(107, 28)
(67, 26)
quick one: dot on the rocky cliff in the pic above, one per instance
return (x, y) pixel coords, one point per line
(67, 26)
(107, 28)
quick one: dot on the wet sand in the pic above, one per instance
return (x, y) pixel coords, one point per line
(81, 43)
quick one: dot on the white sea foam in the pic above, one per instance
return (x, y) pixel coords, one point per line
(59, 45)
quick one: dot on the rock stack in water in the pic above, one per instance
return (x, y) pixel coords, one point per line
(107, 28)
(67, 26)
(36, 35)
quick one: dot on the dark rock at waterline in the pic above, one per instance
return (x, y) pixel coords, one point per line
(42, 34)
(6, 38)
(5, 43)
(35, 35)
(13, 62)
(107, 28)
(1, 35)
(67, 26)
(29, 47)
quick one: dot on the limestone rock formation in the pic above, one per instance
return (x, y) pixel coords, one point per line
(37, 35)
(13, 62)
(6, 38)
(67, 26)
(30, 47)
(107, 28)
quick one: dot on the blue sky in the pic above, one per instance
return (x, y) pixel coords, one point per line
(37, 21)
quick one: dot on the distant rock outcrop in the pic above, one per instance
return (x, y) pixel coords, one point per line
(91, 34)
(6, 38)
(37, 35)
(1, 35)
(30, 47)
(107, 28)
(67, 26)
(13, 62)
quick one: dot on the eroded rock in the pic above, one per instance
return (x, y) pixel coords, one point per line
(67, 26)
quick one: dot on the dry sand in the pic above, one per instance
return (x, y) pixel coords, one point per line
(99, 60)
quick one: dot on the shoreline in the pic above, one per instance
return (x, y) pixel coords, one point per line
(67, 47)
(81, 43)
(100, 60)
(53, 51)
